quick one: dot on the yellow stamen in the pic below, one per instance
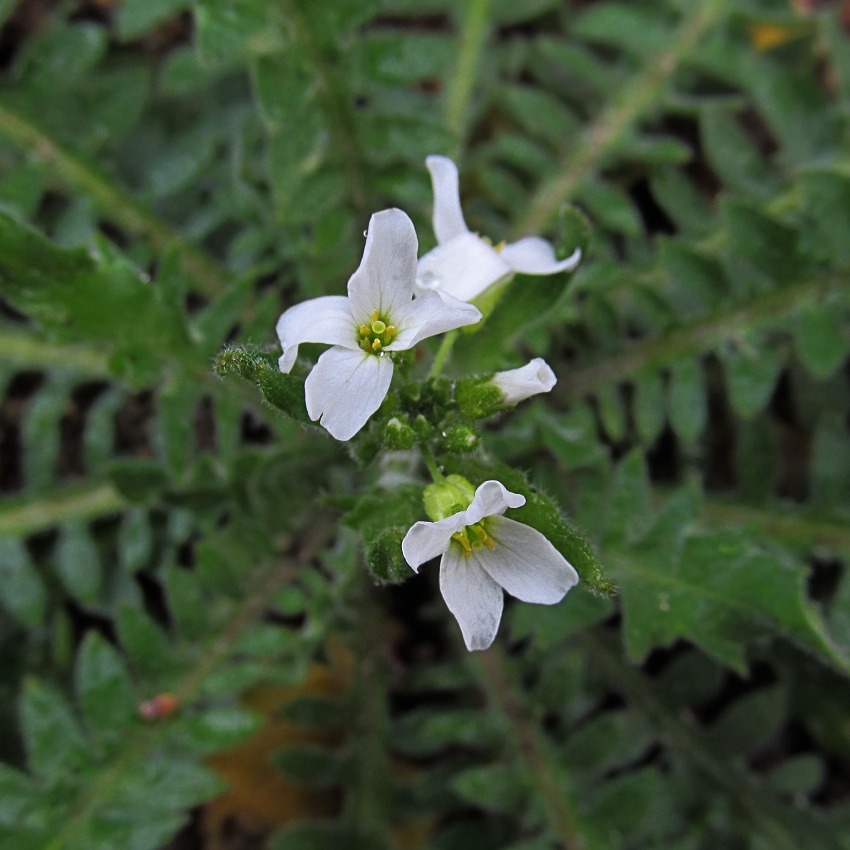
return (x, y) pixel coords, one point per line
(376, 345)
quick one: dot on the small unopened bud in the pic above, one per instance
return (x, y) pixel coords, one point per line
(459, 439)
(480, 397)
(447, 497)
(384, 557)
(399, 435)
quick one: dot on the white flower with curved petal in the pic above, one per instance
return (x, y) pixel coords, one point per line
(350, 380)
(463, 263)
(532, 379)
(484, 552)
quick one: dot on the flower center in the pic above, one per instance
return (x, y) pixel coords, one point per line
(473, 538)
(372, 338)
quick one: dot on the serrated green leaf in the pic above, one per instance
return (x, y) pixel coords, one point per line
(55, 744)
(104, 690)
(687, 405)
(751, 375)
(821, 339)
(22, 590)
(78, 564)
(146, 644)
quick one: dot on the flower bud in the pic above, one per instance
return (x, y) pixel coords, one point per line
(459, 439)
(384, 557)
(447, 497)
(517, 385)
(399, 435)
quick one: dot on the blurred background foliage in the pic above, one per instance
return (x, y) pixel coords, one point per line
(192, 653)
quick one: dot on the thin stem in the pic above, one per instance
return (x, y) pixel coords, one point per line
(609, 128)
(686, 741)
(443, 353)
(459, 94)
(696, 338)
(490, 667)
(204, 273)
(431, 463)
(24, 516)
(23, 349)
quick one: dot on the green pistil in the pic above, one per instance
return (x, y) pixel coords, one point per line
(473, 538)
(372, 338)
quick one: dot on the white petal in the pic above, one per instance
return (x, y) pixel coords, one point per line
(430, 314)
(384, 279)
(529, 380)
(345, 388)
(534, 255)
(472, 596)
(327, 319)
(492, 498)
(464, 266)
(525, 563)
(448, 216)
(426, 540)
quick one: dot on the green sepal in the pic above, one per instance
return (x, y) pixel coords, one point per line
(477, 398)
(538, 512)
(282, 391)
(574, 230)
(399, 434)
(384, 557)
(447, 497)
(459, 439)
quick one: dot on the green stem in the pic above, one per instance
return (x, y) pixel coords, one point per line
(23, 349)
(610, 127)
(685, 740)
(503, 694)
(443, 353)
(459, 94)
(696, 338)
(24, 516)
(336, 107)
(431, 462)
(204, 273)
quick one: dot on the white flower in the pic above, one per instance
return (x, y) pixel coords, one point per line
(519, 384)
(350, 380)
(484, 552)
(463, 263)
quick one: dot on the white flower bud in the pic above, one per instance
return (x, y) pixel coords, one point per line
(519, 384)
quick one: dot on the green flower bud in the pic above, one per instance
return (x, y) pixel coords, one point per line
(459, 439)
(399, 435)
(384, 558)
(478, 397)
(447, 497)
(423, 428)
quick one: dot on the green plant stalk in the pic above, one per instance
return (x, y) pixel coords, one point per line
(696, 338)
(490, 668)
(271, 577)
(459, 95)
(442, 354)
(336, 108)
(368, 805)
(682, 737)
(27, 350)
(20, 517)
(125, 210)
(604, 133)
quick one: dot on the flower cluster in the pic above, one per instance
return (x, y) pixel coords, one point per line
(394, 302)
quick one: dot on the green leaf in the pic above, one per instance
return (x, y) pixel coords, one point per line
(495, 788)
(136, 17)
(186, 602)
(135, 541)
(821, 338)
(720, 591)
(687, 405)
(54, 743)
(650, 407)
(104, 690)
(752, 372)
(145, 643)
(828, 194)
(78, 564)
(22, 591)
(628, 517)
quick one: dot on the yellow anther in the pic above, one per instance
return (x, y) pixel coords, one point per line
(460, 537)
(364, 330)
(376, 345)
(498, 248)
(473, 538)
(375, 316)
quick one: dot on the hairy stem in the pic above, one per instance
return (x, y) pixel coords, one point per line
(491, 669)
(696, 338)
(604, 133)
(115, 201)
(459, 94)
(27, 515)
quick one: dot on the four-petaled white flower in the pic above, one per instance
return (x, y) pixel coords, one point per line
(350, 380)
(483, 552)
(517, 385)
(463, 263)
